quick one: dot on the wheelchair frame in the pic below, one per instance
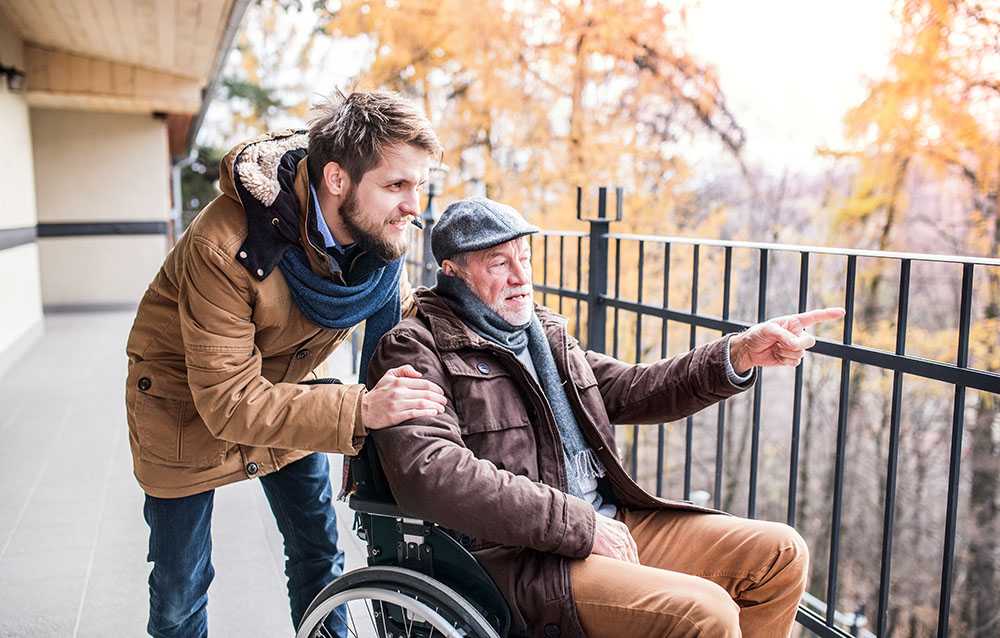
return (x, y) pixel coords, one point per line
(420, 555)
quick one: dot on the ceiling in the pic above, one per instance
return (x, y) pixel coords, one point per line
(138, 56)
(179, 37)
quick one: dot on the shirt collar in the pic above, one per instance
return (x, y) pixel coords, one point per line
(329, 240)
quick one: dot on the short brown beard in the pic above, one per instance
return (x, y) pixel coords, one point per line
(364, 232)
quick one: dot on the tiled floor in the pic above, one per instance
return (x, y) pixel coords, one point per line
(72, 537)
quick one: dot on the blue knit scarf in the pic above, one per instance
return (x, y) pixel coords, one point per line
(326, 303)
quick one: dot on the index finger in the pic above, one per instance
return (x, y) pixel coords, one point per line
(405, 370)
(812, 317)
(420, 384)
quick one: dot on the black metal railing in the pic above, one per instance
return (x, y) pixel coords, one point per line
(589, 314)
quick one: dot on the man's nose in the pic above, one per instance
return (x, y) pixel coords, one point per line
(520, 274)
(410, 202)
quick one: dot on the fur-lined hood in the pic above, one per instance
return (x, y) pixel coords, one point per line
(255, 164)
(269, 178)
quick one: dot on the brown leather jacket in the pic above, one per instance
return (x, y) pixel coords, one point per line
(218, 347)
(491, 465)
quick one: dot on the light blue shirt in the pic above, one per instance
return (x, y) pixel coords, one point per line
(329, 240)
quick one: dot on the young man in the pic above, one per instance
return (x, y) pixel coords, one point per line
(523, 457)
(304, 243)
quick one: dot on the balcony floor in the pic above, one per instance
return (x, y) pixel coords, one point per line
(72, 536)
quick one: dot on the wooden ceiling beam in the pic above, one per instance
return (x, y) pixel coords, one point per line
(178, 37)
(67, 80)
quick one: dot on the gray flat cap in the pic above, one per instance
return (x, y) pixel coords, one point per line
(474, 224)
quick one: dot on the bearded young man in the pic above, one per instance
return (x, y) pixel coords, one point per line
(304, 243)
(523, 457)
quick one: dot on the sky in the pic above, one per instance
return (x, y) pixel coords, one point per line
(790, 69)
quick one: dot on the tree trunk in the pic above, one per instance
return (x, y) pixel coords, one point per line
(577, 169)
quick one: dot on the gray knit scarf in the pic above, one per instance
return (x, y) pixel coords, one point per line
(579, 459)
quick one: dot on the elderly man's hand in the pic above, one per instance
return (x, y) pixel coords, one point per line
(612, 539)
(779, 342)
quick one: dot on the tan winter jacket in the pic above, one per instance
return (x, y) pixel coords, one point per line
(218, 349)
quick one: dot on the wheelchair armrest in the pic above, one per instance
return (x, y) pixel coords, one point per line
(369, 506)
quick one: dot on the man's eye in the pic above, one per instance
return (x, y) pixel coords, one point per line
(395, 186)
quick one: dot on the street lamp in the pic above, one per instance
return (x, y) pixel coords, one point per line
(435, 186)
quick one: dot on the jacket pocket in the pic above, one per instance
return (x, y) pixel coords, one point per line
(492, 414)
(505, 439)
(167, 427)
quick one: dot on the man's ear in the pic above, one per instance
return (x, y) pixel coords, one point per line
(335, 179)
(448, 268)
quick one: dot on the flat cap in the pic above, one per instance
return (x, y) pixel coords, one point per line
(474, 224)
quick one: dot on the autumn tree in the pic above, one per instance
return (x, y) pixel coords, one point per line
(534, 98)
(936, 116)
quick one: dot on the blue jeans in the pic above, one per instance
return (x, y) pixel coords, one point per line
(180, 548)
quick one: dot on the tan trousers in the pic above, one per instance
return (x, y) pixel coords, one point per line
(703, 575)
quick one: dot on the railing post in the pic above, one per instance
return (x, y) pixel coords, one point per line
(428, 275)
(597, 282)
(858, 621)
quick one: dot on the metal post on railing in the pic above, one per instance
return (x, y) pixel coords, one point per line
(428, 273)
(597, 281)
(858, 621)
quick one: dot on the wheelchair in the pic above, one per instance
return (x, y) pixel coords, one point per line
(416, 571)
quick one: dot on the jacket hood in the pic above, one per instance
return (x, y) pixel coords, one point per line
(256, 163)
(268, 176)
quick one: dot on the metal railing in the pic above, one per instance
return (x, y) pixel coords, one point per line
(596, 302)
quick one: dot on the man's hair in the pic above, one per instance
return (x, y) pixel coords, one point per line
(355, 131)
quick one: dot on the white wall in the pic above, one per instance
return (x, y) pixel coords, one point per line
(21, 309)
(99, 270)
(20, 300)
(99, 167)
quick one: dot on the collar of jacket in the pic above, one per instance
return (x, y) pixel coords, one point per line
(451, 333)
(271, 179)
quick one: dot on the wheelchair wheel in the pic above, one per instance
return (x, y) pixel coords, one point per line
(392, 602)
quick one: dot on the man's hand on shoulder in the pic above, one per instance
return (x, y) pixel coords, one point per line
(613, 539)
(779, 342)
(400, 395)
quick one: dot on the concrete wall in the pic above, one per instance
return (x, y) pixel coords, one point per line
(93, 168)
(20, 300)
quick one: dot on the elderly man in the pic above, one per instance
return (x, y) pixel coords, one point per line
(523, 457)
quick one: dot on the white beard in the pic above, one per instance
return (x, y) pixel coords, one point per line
(513, 317)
